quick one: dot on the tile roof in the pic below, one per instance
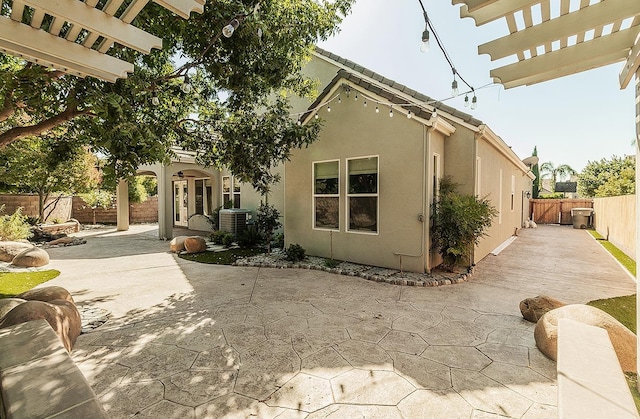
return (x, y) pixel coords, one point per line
(389, 90)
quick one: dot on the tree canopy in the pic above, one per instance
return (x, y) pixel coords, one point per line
(556, 173)
(222, 97)
(608, 177)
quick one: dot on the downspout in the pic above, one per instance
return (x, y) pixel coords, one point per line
(421, 217)
(476, 181)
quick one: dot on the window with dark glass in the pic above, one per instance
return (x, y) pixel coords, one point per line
(362, 194)
(326, 195)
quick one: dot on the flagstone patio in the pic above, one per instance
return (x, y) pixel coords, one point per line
(206, 341)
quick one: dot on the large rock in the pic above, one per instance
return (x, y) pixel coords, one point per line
(33, 257)
(9, 249)
(623, 340)
(62, 315)
(62, 240)
(534, 308)
(195, 244)
(8, 304)
(177, 244)
(47, 294)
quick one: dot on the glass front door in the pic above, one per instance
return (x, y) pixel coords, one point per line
(180, 211)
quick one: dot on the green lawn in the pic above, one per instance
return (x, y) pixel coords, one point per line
(620, 256)
(13, 283)
(225, 257)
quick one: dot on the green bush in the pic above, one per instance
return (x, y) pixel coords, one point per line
(331, 263)
(267, 220)
(295, 252)
(14, 226)
(278, 241)
(221, 237)
(250, 237)
(459, 221)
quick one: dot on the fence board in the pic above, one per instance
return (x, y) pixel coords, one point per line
(556, 211)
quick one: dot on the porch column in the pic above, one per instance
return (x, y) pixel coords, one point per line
(637, 87)
(122, 205)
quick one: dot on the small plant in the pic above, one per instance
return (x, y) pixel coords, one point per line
(295, 252)
(221, 237)
(32, 221)
(57, 221)
(14, 226)
(331, 263)
(228, 205)
(268, 220)
(278, 241)
(249, 237)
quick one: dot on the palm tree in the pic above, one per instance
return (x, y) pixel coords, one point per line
(548, 169)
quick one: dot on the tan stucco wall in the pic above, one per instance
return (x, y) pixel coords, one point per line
(250, 199)
(321, 72)
(351, 131)
(459, 159)
(492, 161)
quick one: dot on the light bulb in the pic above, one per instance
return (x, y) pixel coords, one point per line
(391, 113)
(155, 101)
(356, 97)
(173, 109)
(365, 103)
(466, 101)
(424, 47)
(474, 102)
(339, 99)
(409, 115)
(377, 109)
(228, 30)
(434, 113)
(454, 88)
(328, 108)
(299, 122)
(316, 116)
(186, 86)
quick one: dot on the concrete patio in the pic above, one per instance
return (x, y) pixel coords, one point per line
(206, 341)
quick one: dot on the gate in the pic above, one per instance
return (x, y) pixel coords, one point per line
(555, 211)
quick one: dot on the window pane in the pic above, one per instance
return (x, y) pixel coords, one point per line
(199, 197)
(236, 185)
(327, 213)
(326, 178)
(225, 198)
(236, 200)
(363, 213)
(363, 175)
(226, 184)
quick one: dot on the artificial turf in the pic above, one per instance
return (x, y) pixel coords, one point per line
(13, 283)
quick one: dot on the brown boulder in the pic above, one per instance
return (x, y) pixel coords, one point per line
(9, 250)
(8, 304)
(31, 258)
(62, 315)
(534, 308)
(177, 244)
(46, 294)
(61, 240)
(195, 244)
(622, 339)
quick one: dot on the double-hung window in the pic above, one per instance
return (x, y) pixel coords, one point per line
(230, 191)
(326, 195)
(362, 194)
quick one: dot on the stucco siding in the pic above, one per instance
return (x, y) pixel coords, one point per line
(352, 131)
(459, 159)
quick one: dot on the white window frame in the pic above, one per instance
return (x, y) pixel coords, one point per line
(500, 200)
(367, 195)
(314, 195)
(232, 193)
(436, 176)
(513, 193)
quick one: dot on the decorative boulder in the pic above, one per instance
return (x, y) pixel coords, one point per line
(31, 258)
(195, 244)
(533, 309)
(177, 244)
(62, 315)
(622, 339)
(8, 304)
(9, 249)
(47, 294)
(62, 240)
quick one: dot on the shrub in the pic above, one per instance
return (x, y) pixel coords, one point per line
(268, 219)
(249, 237)
(331, 263)
(14, 226)
(278, 241)
(459, 221)
(295, 252)
(221, 237)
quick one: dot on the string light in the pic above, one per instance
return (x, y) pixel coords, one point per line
(454, 85)
(365, 103)
(409, 115)
(391, 112)
(424, 47)
(328, 108)
(340, 100)
(466, 101)
(155, 101)
(377, 109)
(474, 102)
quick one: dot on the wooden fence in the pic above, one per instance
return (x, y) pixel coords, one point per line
(555, 211)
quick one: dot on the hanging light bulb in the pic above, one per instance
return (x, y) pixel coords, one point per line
(466, 101)
(391, 112)
(409, 115)
(356, 97)
(173, 109)
(155, 101)
(377, 109)
(186, 86)
(474, 102)
(454, 87)
(316, 116)
(339, 99)
(328, 108)
(424, 47)
(228, 30)
(299, 122)
(365, 103)
(434, 113)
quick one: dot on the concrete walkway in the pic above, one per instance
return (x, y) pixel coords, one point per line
(193, 340)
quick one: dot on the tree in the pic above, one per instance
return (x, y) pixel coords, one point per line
(563, 171)
(268, 220)
(612, 177)
(459, 221)
(46, 165)
(535, 169)
(234, 86)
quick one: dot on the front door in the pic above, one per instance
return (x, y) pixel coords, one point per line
(180, 212)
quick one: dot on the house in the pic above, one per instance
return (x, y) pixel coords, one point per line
(363, 191)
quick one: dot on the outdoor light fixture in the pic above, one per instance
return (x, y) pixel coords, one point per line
(365, 103)
(409, 115)
(466, 101)
(155, 101)
(454, 86)
(377, 109)
(474, 102)
(340, 100)
(186, 86)
(328, 108)
(391, 112)
(425, 35)
(228, 30)
(180, 174)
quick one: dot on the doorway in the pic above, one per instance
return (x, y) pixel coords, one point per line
(180, 208)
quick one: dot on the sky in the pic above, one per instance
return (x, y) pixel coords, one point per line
(572, 120)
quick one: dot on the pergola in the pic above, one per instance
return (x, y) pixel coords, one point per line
(74, 36)
(552, 39)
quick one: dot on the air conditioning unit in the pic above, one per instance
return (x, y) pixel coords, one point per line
(233, 220)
